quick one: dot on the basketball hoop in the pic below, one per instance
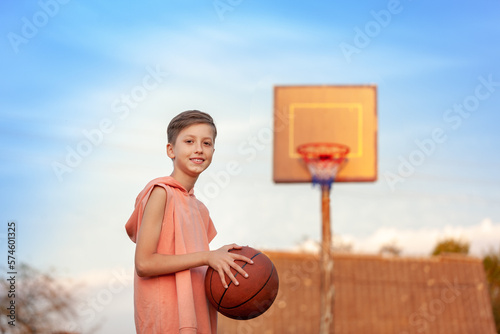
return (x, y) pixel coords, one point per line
(323, 161)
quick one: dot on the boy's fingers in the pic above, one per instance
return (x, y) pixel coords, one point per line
(232, 246)
(223, 279)
(238, 268)
(242, 258)
(240, 271)
(227, 248)
(231, 276)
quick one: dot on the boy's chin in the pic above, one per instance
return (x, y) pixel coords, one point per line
(196, 171)
(201, 166)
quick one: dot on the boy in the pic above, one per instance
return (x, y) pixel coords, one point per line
(172, 230)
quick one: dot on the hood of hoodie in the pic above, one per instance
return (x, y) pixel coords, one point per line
(132, 225)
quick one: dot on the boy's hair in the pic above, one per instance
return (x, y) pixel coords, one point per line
(185, 119)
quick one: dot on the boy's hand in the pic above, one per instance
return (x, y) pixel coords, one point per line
(222, 260)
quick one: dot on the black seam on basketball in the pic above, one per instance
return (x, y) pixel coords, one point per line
(246, 301)
(211, 291)
(222, 297)
(243, 266)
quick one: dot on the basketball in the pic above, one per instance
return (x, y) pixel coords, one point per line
(253, 296)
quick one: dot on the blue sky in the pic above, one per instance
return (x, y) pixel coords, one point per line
(67, 68)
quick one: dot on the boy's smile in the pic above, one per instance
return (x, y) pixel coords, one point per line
(197, 160)
(191, 153)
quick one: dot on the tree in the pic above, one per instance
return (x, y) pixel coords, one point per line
(451, 245)
(390, 249)
(491, 262)
(41, 303)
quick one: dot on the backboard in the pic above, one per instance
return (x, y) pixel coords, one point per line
(332, 114)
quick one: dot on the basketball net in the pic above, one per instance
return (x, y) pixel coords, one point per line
(323, 160)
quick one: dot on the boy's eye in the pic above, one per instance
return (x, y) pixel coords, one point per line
(189, 141)
(208, 143)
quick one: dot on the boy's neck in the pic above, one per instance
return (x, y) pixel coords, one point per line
(186, 181)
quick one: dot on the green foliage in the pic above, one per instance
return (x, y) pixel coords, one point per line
(451, 245)
(491, 262)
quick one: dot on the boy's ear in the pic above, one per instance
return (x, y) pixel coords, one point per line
(170, 151)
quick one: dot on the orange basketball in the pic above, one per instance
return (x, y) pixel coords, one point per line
(253, 296)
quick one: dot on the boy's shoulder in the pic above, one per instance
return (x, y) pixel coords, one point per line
(169, 183)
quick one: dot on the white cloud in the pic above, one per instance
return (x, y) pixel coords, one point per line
(481, 237)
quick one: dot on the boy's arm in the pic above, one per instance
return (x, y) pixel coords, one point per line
(149, 263)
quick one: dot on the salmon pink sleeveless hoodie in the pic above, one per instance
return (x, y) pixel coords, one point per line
(174, 303)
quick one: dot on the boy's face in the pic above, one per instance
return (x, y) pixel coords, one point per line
(193, 149)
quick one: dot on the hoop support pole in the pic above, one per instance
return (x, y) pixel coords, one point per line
(326, 259)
